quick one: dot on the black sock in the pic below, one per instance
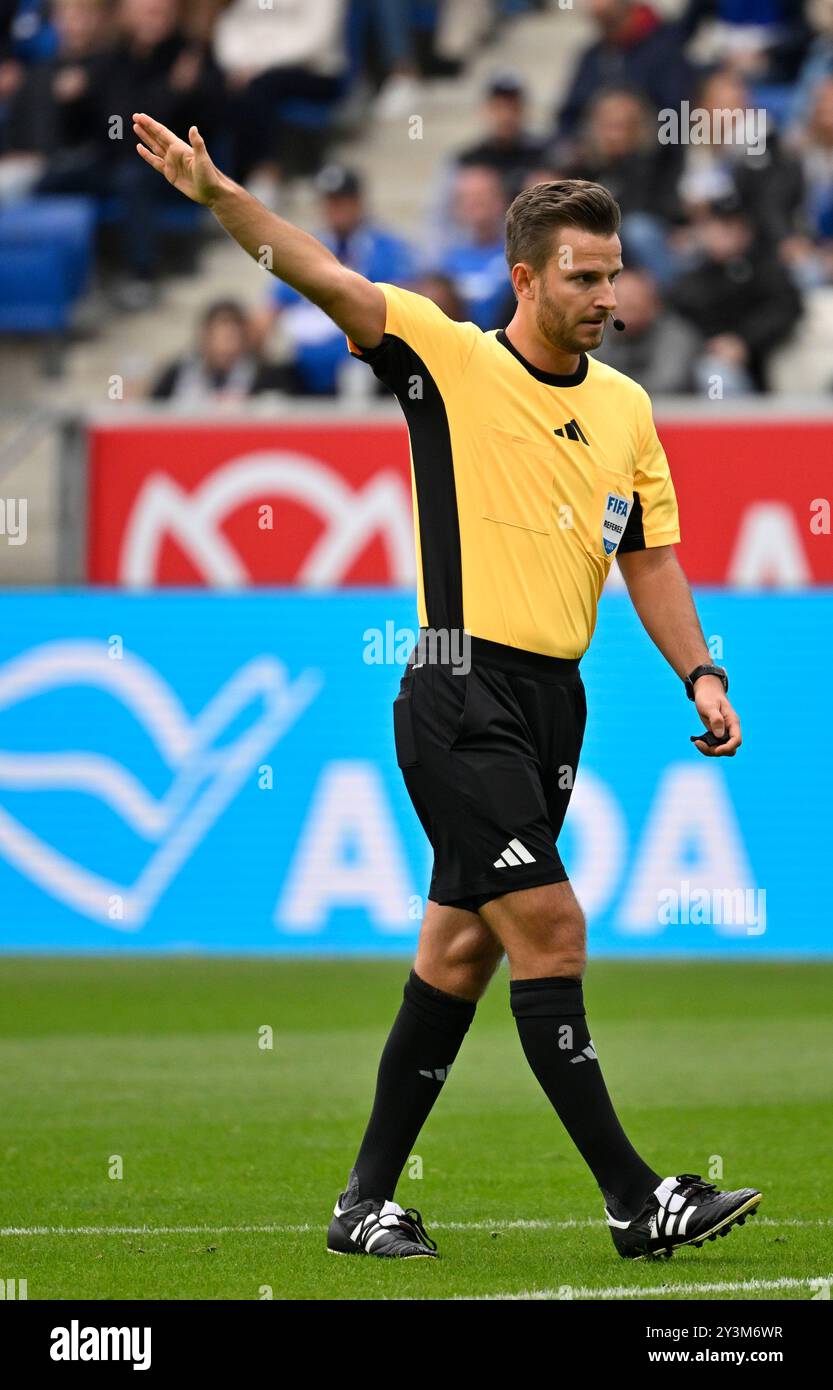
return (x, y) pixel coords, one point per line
(549, 1014)
(425, 1039)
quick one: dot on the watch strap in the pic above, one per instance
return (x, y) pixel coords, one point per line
(705, 671)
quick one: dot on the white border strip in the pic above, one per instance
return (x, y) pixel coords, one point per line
(679, 410)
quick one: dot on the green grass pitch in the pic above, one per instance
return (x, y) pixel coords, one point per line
(233, 1153)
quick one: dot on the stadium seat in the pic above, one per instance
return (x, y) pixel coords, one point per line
(46, 250)
(181, 216)
(35, 294)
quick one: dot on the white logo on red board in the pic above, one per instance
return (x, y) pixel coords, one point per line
(351, 517)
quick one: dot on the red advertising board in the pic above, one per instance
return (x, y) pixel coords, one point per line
(746, 492)
(231, 505)
(325, 505)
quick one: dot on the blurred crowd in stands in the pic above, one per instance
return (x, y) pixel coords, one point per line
(727, 203)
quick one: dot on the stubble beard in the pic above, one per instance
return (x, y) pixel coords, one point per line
(553, 325)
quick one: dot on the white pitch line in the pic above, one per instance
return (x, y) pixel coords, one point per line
(663, 1291)
(157, 1230)
(279, 1229)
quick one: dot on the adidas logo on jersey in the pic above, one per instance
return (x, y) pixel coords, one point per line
(515, 853)
(587, 1054)
(572, 430)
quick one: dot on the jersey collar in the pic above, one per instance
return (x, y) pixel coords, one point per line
(549, 378)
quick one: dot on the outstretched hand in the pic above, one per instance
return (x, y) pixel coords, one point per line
(187, 166)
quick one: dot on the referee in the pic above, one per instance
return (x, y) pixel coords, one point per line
(533, 465)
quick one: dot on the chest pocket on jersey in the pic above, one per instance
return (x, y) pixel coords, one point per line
(612, 504)
(516, 480)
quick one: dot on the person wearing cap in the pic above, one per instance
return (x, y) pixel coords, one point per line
(317, 349)
(506, 146)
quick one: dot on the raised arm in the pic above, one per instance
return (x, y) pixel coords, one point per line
(660, 594)
(351, 301)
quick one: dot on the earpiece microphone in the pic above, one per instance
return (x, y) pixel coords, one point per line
(618, 325)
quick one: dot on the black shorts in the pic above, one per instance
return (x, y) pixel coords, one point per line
(489, 759)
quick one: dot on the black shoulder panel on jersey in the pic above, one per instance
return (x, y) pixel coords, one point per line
(403, 370)
(634, 535)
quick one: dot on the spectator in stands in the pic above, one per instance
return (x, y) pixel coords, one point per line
(764, 40)
(156, 65)
(152, 66)
(810, 255)
(392, 23)
(818, 63)
(506, 144)
(475, 261)
(27, 36)
(618, 147)
(224, 366)
(442, 291)
(463, 25)
(12, 69)
(199, 17)
(739, 297)
(270, 56)
(657, 348)
(319, 352)
(743, 159)
(54, 118)
(635, 48)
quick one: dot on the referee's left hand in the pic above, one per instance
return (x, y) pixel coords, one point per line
(718, 715)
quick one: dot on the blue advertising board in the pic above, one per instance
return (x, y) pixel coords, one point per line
(202, 772)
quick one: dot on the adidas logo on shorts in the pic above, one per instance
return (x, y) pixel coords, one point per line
(515, 853)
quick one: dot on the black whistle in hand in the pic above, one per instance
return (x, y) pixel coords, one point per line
(711, 740)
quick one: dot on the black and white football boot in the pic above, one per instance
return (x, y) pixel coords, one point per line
(682, 1211)
(378, 1227)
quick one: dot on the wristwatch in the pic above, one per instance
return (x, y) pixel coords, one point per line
(705, 671)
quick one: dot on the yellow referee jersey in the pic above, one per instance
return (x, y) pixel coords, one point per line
(525, 484)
